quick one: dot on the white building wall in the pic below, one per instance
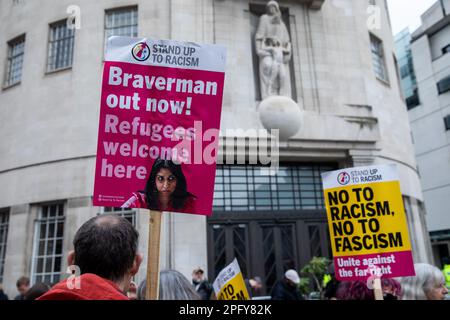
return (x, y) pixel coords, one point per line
(432, 141)
(49, 122)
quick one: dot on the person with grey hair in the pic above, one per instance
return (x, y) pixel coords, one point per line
(172, 286)
(427, 284)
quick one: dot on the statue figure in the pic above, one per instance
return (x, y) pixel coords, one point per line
(273, 46)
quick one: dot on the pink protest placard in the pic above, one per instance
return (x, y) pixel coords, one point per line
(159, 125)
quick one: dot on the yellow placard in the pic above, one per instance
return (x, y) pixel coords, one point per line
(365, 219)
(230, 285)
(365, 211)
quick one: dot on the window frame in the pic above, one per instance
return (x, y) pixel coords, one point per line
(447, 123)
(4, 241)
(264, 193)
(382, 56)
(117, 9)
(49, 47)
(121, 212)
(9, 58)
(446, 49)
(55, 276)
(445, 89)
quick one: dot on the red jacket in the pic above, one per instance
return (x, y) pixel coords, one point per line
(92, 287)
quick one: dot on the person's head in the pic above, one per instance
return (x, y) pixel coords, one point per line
(331, 288)
(166, 180)
(172, 286)
(427, 284)
(256, 283)
(292, 278)
(106, 246)
(354, 290)
(330, 269)
(37, 290)
(23, 285)
(198, 275)
(391, 288)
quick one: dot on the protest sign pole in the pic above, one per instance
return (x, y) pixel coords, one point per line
(378, 293)
(154, 239)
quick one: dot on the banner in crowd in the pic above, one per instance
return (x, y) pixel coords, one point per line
(367, 223)
(159, 125)
(230, 284)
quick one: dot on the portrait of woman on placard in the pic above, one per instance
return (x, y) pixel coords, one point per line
(166, 190)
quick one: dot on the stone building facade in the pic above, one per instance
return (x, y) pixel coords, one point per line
(342, 74)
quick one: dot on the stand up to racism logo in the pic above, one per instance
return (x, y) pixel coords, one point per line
(141, 51)
(343, 178)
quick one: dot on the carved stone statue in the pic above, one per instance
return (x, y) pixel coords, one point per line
(273, 46)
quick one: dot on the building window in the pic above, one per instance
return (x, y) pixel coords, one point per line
(121, 22)
(126, 213)
(243, 188)
(446, 49)
(404, 71)
(16, 50)
(447, 122)
(413, 101)
(60, 47)
(48, 245)
(4, 223)
(444, 85)
(378, 60)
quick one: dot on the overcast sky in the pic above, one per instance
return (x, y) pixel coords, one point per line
(406, 13)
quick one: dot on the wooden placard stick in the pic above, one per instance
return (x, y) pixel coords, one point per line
(154, 240)
(378, 292)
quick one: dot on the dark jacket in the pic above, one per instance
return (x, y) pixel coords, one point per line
(331, 288)
(3, 296)
(283, 291)
(204, 289)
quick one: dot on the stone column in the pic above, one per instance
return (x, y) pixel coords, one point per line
(361, 158)
(418, 234)
(19, 247)
(189, 243)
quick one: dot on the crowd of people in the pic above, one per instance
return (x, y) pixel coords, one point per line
(428, 284)
(105, 250)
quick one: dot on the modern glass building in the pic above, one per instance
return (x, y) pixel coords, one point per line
(430, 120)
(406, 67)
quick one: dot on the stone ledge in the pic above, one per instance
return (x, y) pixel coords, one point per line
(313, 4)
(18, 209)
(79, 202)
